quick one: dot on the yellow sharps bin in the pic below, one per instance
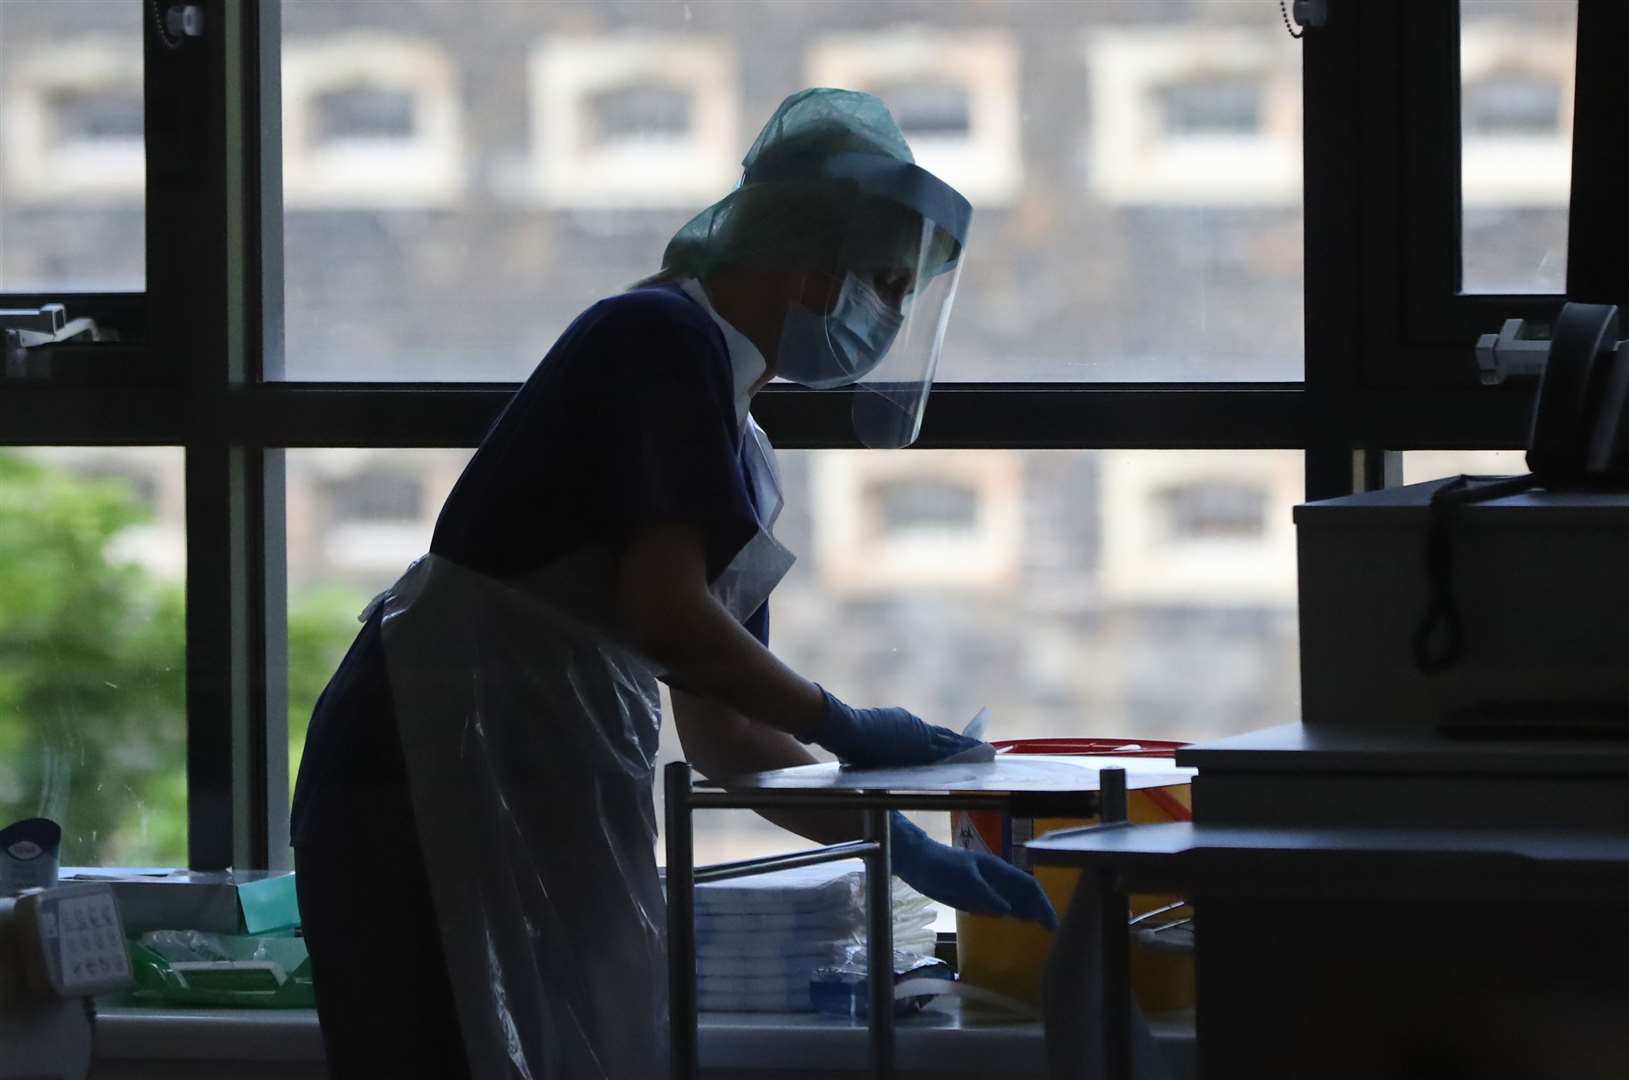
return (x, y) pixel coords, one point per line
(1006, 955)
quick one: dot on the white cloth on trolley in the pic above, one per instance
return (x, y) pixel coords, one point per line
(760, 939)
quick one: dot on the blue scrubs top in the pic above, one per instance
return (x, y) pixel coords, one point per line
(630, 420)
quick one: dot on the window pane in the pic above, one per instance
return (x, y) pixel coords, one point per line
(93, 650)
(356, 518)
(1517, 59)
(72, 157)
(1134, 595)
(1422, 465)
(461, 180)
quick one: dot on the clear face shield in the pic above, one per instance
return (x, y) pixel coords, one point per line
(891, 395)
(888, 296)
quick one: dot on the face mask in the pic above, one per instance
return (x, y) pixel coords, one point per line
(861, 329)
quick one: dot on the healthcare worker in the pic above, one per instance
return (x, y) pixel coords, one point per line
(473, 823)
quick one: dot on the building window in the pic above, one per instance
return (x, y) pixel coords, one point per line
(1213, 510)
(634, 122)
(954, 95)
(1511, 103)
(898, 507)
(71, 124)
(362, 112)
(931, 109)
(362, 515)
(648, 110)
(901, 520)
(1193, 528)
(378, 495)
(1198, 115)
(79, 114)
(369, 121)
(1226, 105)
(1516, 100)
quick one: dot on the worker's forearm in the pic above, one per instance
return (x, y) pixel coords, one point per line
(663, 602)
(722, 744)
(711, 655)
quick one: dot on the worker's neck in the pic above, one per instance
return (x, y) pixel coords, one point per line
(754, 304)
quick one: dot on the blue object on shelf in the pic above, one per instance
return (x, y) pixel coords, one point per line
(841, 990)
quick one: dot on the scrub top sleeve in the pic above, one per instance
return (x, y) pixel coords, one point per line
(671, 442)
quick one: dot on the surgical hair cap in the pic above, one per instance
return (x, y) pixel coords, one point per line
(808, 197)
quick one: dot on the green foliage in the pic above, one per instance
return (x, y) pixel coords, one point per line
(92, 670)
(320, 628)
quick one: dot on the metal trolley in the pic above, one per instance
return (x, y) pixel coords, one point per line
(1008, 785)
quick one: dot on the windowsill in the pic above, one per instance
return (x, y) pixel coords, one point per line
(934, 1043)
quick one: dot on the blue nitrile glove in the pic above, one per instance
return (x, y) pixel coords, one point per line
(966, 880)
(883, 738)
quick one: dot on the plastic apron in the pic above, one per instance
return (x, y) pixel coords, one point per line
(530, 737)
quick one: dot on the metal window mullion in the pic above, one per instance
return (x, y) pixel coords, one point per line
(1334, 198)
(210, 704)
(187, 308)
(1427, 37)
(264, 194)
(228, 783)
(1032, 417)
(56, 415)
(237, 764)
(204, 249)
(1266, 416)
(257, 523)
(1402, 148)
(1597, 229)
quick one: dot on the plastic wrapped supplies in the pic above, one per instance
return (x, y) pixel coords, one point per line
(193, 968)
(760, 940)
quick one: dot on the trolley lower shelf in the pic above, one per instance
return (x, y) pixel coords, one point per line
(1016, 784)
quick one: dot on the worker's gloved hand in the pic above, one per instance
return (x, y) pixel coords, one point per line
(966, 880)
(884, 738)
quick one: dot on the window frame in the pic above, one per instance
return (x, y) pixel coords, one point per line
(1438, 314)
(1426, 347)
(1389, 362)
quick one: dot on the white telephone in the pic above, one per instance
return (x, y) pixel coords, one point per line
(58, 947)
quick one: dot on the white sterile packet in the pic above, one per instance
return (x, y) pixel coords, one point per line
(975, 755)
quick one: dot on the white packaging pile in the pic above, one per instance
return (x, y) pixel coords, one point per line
(759, 939)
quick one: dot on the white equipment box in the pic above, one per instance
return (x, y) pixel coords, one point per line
(1539, 583)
